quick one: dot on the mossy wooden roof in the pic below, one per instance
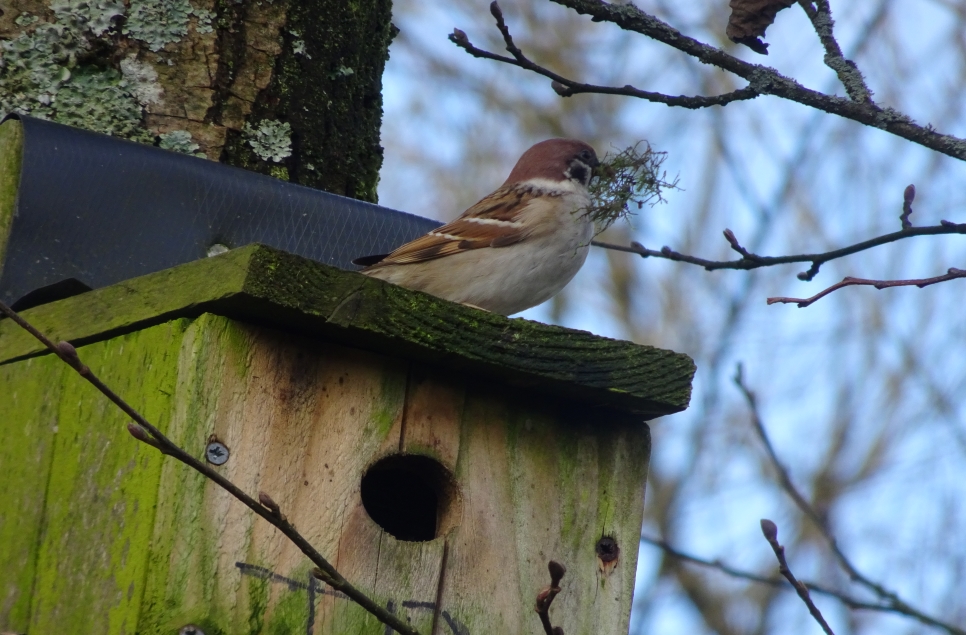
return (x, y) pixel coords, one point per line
(265, 286)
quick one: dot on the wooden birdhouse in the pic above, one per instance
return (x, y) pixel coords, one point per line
(439, 456)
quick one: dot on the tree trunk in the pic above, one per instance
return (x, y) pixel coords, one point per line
(287, 88)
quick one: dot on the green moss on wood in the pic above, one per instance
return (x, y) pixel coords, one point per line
(556, 472)
(597, 369)
(181, 585)
(271, 287)
(100, 497)
(393, 393)
(258, 590)
(11, 157)
(590, 481)
(31, 393)
(122, 308)
(290, 613)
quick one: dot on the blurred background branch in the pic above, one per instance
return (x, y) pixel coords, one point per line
(887, 596)
(860, 392)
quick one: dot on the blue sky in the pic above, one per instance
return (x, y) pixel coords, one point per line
(868, 366)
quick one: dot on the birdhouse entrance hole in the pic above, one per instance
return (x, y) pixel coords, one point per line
(411, 497)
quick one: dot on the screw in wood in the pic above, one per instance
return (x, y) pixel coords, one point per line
(216, 453)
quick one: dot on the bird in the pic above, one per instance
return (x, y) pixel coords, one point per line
(515, 248)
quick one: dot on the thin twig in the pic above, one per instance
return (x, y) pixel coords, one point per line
(951, 274)
(770, 530)
(265, 507)
(566, 87)
(750, 261)
(547, 594)
(850, 76)
(890, 598)
(761, 79)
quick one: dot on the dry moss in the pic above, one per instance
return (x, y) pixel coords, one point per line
(626, 181)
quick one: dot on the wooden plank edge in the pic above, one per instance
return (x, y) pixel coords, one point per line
(184, 291)
(272, 288)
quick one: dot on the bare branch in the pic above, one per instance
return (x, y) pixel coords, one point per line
(890, 598)
(768, 81)
(265, 507)
(750, 261)
(566, 87)
(770, 531)
(952, 274)
(848, 73)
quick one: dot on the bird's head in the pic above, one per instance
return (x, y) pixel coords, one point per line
(556, 160)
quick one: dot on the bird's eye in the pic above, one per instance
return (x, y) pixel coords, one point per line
(585, 155)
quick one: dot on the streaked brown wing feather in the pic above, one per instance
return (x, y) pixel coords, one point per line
(426, 247)
(502, 209)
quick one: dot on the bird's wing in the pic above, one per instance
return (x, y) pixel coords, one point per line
(496, 221)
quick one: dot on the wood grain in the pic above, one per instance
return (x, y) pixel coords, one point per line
(95, 486)
(155, 547)
(30, 405)
(541, 485)
(302, 421)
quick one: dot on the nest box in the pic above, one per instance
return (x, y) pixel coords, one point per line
(439, 456)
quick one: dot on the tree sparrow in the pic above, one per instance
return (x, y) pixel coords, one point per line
(514, 249)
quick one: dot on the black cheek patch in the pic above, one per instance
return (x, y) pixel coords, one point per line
(579, 172)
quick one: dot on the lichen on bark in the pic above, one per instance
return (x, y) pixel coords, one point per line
(303, 77)
(327, 85)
